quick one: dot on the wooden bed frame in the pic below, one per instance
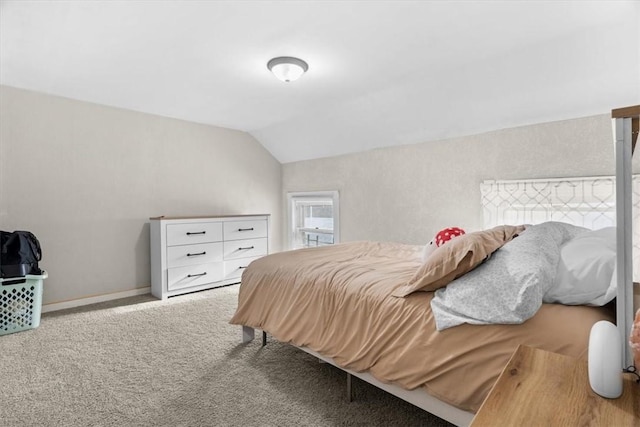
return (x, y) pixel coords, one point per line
(626, 133)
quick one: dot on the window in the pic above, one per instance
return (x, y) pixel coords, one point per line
(313, 219)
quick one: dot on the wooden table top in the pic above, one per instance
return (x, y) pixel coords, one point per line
(538, 387)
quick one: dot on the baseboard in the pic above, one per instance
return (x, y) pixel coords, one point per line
(94, 299)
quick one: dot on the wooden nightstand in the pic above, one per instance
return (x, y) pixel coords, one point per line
(548, 389)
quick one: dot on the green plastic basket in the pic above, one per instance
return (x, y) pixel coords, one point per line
(20, 303)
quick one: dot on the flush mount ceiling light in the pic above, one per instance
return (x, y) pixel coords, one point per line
(287, 68)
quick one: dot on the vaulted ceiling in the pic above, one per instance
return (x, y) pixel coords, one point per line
(381, 73)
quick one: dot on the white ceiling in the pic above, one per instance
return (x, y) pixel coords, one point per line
(381, 73)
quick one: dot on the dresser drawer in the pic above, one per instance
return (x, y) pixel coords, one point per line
(183, 255)
(201, 232)
(238, 230)
(194, 275)
(245, 248)
(234, 269)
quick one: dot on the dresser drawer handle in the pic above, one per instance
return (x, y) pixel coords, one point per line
(196, 275)
(244, 249)
(201, 253)
(199, 232)
(245, 229)
(241, 267)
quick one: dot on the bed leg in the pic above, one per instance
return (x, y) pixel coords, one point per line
(349, 389)
(248, 334)
(264, 338)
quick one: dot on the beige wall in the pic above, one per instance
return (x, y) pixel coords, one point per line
(408, 193)
(85, 179)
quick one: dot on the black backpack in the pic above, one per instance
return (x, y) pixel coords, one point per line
(19, 254)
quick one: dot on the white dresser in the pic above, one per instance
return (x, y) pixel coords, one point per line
(194, 253)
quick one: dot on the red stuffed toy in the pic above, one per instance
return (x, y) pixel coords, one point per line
(447, 234)
(442, 237)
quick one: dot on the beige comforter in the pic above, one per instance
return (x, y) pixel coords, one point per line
(337, 301)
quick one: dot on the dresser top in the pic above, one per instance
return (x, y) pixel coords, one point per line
(158, 218)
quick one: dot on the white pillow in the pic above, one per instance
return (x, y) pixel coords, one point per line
(586, 272)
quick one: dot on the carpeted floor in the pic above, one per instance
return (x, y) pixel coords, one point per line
(144, 362)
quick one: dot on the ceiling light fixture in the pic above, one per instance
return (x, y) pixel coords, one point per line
(287, 68)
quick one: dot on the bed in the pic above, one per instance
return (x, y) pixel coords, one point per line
(367, 308)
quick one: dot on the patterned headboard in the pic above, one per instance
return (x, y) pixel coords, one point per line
(586, 201)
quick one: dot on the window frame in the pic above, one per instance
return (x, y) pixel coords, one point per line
(334, 195)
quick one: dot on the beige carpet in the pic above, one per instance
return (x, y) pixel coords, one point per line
(144, 362)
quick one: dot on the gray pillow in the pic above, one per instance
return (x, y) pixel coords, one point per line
(509, 287)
